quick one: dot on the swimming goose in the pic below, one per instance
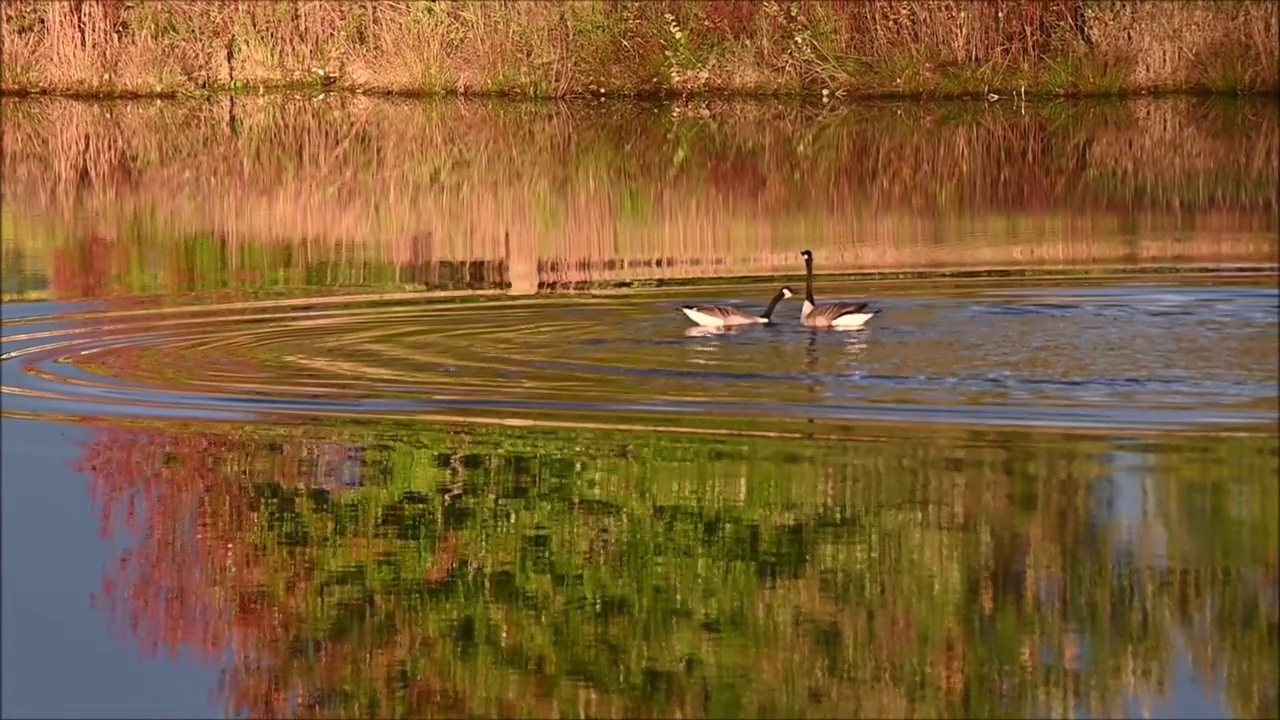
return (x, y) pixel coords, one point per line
(725, 315)
(841, 315)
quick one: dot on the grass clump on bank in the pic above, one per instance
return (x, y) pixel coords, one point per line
(544, 49)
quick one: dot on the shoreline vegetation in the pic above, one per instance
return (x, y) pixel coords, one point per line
(832, 50)
(273, 193)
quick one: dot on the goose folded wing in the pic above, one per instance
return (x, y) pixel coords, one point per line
(719, 311)
(831, 311)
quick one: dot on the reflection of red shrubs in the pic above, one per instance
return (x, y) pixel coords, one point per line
(160, 588)
(196, 575)
(92, 268)
(82, 269)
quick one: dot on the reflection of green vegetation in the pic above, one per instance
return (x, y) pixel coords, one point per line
(541, 573)
(201, 263)
(17, 281)
(635, 205)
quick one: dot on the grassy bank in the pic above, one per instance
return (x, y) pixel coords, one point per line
(550, 49)
(266, 192)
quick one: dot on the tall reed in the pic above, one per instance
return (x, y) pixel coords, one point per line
(602, 46)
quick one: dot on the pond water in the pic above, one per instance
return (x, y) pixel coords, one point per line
(1124, 355)
(342, 407)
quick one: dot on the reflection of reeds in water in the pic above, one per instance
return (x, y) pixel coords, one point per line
(447, 576)
(364, 191)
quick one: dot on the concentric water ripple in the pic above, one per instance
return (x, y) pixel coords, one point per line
(1132, 355)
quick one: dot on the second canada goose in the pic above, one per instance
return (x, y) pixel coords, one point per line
(841, 315)
(726, 315)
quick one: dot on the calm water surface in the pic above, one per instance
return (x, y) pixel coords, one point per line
(296, 427)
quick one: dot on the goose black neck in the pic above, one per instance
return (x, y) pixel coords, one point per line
(768, 311)
(808, 280)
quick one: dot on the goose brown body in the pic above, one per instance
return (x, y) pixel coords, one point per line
(841, 315)
(727, 315)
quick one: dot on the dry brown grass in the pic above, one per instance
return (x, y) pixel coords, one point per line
(592, 46)
(595, 192)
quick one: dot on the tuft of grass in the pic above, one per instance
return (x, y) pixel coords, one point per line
(607, 47)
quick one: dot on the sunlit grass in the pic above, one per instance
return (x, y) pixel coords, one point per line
(595, 47)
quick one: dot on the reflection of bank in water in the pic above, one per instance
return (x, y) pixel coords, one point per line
(94, 264)
(516, 271)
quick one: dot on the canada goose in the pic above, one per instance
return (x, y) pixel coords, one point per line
(841, 315)
(725, 315)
